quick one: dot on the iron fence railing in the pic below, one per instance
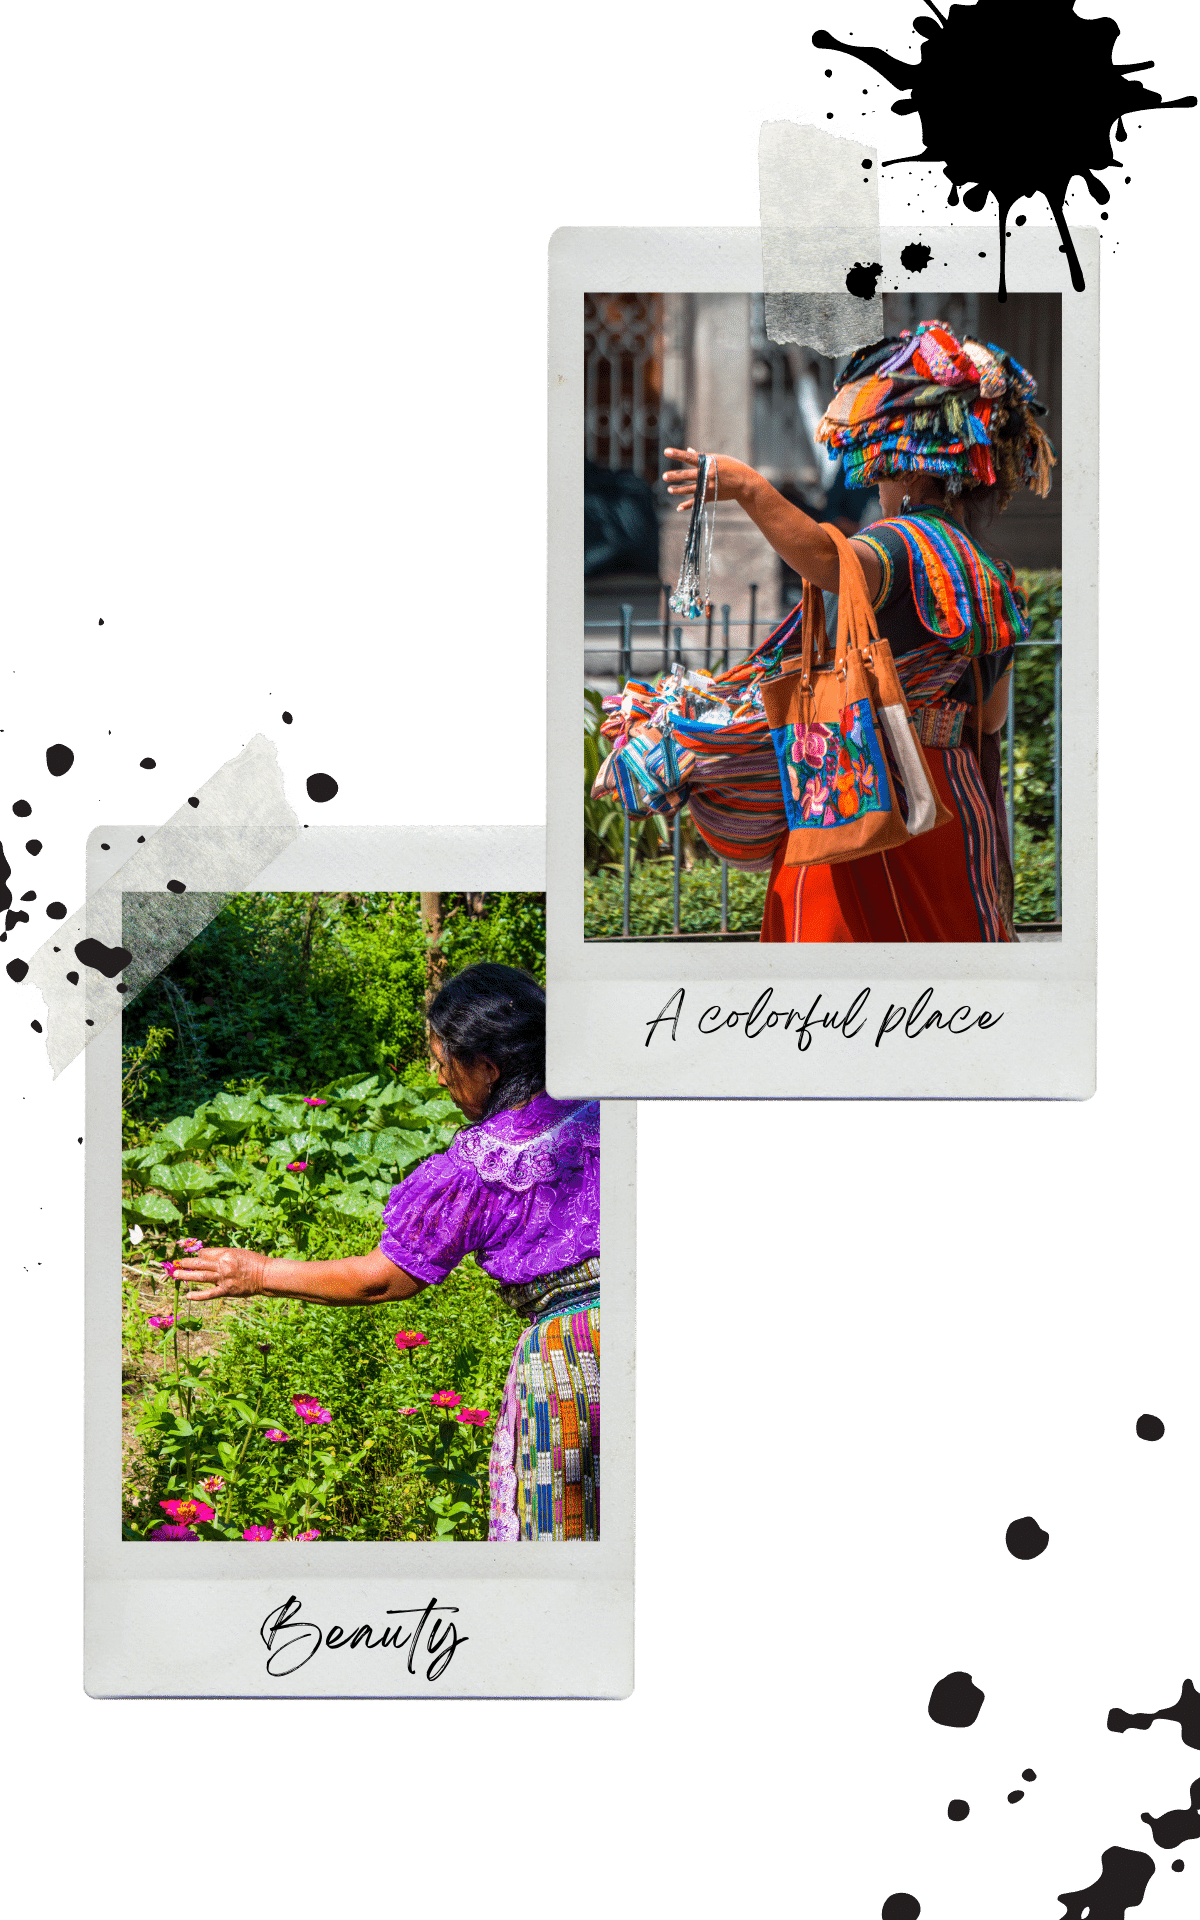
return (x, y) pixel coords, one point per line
(704, 651)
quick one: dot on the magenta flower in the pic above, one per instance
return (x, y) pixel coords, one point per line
(310, 1533)
(258, 1533)
(174, 1533)
(406, 1340)
(187, 1512)
(474, 1416)
(162, 1322)
(168, 1267)
(404, 1411)
(192, 1246)
(214, 1484)
(315, 1100)
(445, 1399)
(311, 1411)
(812, 744)
(277, 1435)
(297, 1166)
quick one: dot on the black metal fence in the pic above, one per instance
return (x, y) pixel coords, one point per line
(716, 645)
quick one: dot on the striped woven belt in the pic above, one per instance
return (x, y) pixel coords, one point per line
(941, 726)
(551, 1291)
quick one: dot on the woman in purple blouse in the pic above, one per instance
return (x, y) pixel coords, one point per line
(520, 1189)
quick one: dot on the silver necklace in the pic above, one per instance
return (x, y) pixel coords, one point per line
(692, 598)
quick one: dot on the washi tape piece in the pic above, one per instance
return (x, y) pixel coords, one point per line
(819, 212)
(87, 971)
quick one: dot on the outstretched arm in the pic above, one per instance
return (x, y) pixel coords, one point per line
(360, 1280)
(795, 536)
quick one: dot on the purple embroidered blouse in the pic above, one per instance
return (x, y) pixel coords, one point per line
(521, 1191)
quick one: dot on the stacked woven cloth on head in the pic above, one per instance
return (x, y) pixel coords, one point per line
(926, 402)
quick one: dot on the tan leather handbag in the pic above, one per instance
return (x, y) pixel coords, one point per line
(828, 725)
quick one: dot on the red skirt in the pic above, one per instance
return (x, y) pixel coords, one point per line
(945, 885)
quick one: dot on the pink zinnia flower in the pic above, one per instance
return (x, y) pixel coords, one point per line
(277, 1434)
(214, 1484)
(187, 1512)
(297, 1166)
(404, 1339)
(445, 1399)
(192, 1246)
(310, 1533)
(258, 1533)
(162, 1322)
(172, 1532)
(406, 1410)
(168, 1267)
(311, 1411)
(315, 1100)
(474, 1416)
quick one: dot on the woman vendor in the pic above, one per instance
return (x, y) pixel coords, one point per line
(519, 1188)
(946, 430)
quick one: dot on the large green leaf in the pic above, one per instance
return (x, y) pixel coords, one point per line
(352, 1093)
(232, 1210)
(150, 1209)
(184, 1179)
(185, 1135)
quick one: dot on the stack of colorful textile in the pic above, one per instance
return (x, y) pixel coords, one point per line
(929, 403)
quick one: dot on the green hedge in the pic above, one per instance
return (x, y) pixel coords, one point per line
(651, 900)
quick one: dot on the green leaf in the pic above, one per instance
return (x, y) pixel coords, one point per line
(183, 1135)
(184, 1179)
(149, 1209)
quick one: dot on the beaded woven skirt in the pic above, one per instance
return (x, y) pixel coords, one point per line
(544, 1473)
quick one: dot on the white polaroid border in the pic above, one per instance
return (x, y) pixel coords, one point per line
(547, 1621)
(692, 1018)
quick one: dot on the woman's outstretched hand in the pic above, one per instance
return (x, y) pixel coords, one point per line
(730, 475)
(228, 1273)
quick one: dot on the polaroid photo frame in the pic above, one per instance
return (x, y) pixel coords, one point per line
(696, 1017)
(230, 1619)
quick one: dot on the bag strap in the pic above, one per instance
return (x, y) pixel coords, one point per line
(978, 712)
(814, 633)
(857, 625)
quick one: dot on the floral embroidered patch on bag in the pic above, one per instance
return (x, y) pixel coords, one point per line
(832, 775)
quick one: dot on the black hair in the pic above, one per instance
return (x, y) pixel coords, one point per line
(489, 1012)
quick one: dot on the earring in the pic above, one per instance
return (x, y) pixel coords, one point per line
(906, 503)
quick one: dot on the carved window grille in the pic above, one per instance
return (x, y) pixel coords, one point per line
(623, 380)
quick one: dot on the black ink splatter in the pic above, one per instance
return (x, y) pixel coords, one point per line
(104, 847)
(1018, 1793)
(1186, 1710)
(1025, 1539)
(106, 960)
(192, 801)
(1081, 93)
(22, 809)
(31, 895)
(861, 279)
(1171, 1829)
(56, 911)
(901, 1906)
(957, 1810)
(915, 257)
(176, 886)
(5, 889)
(1124, 1877)
(1177, 1866)
(59, 759)
(73, 977)
(16, 970)
(323, 786)
(955, 1701)
(1028, 1774)
(1150, 1427)
(33, 846)
(13, 918)
(36, 1025)
(287, 719)
(147, 763)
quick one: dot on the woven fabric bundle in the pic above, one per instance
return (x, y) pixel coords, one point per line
(926, 402)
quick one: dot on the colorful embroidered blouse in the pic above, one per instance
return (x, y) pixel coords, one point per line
(521, 1191)
(940, 591)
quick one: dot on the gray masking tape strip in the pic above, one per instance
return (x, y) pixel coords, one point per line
(819, 214)
(242, 823)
